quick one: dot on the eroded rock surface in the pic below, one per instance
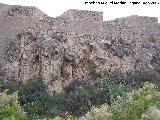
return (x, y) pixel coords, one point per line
(75, 46)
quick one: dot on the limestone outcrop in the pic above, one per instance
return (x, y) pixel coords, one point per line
(78, 45)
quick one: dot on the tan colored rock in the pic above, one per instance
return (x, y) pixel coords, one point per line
(75, 46)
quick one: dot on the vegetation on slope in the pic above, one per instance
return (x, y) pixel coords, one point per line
(102, 100)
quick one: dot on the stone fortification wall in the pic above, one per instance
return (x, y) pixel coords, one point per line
(78, 45)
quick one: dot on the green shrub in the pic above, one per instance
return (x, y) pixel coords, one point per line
(141, 104)
(38, 103)
(34, 98)
(136, 103)
(57, 106)
(82, 96)
(10, 108)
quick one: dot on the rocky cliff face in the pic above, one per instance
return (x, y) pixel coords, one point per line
(78, 45)
(14, 19)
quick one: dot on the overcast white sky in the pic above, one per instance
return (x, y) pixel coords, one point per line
(56, 7)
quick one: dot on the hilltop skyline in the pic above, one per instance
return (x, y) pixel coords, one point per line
(56, 8)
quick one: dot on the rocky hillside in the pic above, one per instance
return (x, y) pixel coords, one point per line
(78, 45)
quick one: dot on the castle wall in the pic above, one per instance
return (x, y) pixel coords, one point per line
(79, 45)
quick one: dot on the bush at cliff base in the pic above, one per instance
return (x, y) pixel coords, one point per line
(10, 108)
(141, 104)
